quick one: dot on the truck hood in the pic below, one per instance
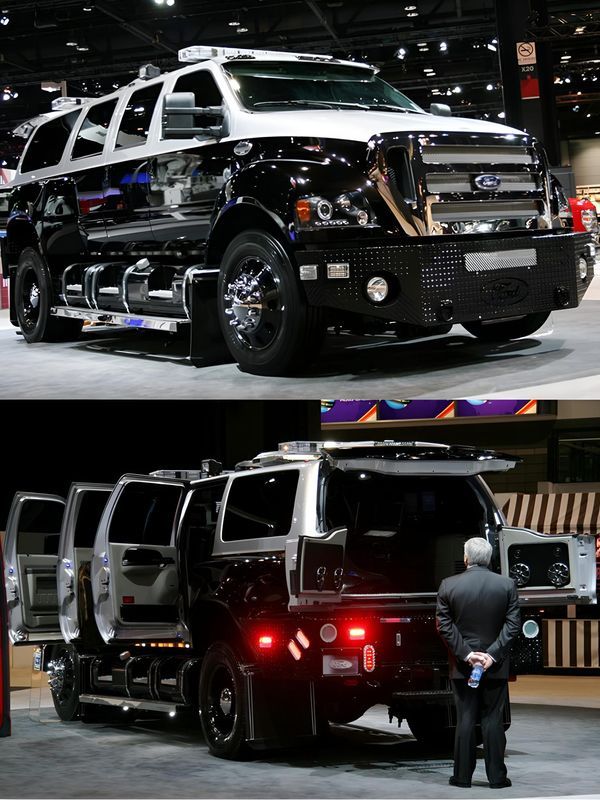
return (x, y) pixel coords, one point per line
(355, 125)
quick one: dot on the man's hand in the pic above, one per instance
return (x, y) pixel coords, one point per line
(484, 659)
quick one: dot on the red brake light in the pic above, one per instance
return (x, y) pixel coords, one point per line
(369, 658)
(357, 634)
(265, 642)
(128, 599)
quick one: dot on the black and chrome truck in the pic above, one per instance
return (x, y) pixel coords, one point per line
(255, 199)
(297, 590)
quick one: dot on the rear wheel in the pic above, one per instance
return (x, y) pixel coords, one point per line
(507, 329)
(222, 703)
(33, 301)
(267, 324)
(63, 669)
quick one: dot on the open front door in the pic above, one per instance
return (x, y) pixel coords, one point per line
(85, 504)
(548, 568)
(320, 568)
(134, 567)
(4, 674)
(32, 538)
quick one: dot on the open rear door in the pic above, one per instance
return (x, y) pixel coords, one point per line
(32, 538)
(4, 674)
(548, 568)
(320, 568)
(85, 504)
(135, 582)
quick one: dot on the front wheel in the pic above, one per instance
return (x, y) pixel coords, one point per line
(267, 324)
(222, 701)
(507, 329)
(33, 302)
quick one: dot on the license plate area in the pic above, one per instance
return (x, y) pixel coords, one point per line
(341, 663)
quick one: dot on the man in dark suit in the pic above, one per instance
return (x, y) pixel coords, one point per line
(478, 617)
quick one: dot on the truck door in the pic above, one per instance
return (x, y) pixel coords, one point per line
(85, 504)
(548, 568)
(32, 537)
(4, 676)
(320, 570)
(134, 572)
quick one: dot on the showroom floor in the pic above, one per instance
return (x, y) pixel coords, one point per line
(548, 755)
(561, 363)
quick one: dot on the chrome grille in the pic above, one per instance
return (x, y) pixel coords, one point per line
(502, 259)
(476, 154)
(462, 182)
(465, 212)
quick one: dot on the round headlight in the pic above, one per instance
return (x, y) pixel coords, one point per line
(582, 268)
(589, 219)
(344, 202)
(324, 209)
(362, 217)
(530, 629)
(377, 289)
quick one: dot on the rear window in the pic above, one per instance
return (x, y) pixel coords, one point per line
(90, 510)
(405, 533)
(145, 514)
(39, 527)
(48, 143)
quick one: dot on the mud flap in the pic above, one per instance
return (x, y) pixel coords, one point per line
(207, 345)
(281, 712)
(4, 673)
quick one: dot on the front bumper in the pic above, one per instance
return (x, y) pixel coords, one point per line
(453, 279)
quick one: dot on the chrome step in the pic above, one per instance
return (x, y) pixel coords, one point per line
(128, 702)
(146, 322)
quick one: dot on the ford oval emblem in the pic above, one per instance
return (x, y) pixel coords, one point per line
(504, 292)
(488, 182)
(340, 663)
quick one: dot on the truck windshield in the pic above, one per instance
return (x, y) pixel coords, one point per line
(405, 533)
(274, 86)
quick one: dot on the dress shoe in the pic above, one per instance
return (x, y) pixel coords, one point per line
(502, 785)
(455, 782)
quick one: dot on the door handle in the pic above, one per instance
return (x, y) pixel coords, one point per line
(338, 574)
(321, 572)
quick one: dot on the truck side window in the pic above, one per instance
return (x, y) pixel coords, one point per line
(48, 143)
(39, 528)
(144, 514)
(204, 87)
(90, 511)
(200, 520)
(260, 506)
(92, 133)
(135, 123)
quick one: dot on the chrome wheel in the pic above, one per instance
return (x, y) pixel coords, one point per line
(222, 710)
(253, 304)
(30, 300)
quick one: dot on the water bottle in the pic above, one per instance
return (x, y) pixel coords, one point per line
(475, 676)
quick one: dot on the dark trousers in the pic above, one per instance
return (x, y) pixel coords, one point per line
(486, 705)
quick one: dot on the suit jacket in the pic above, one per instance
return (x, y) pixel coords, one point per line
(478, 610)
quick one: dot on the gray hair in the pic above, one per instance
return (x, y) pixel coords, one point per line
(478, 551)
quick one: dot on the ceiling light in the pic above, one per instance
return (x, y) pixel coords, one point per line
(576, 108)
(566, 57)
(567, 80)
(413, 14)
(443, 46)
(421, 44)
(88, 8)
(492, 47)
(170, 2)
(4, 19)
(400, 53)
(490, 87)
(159, 2)
(457, 90)
(580, 29)
(502, 115)
(242, 29)
(234, 23)
(428, 69)
(71, 44)
(410, 8)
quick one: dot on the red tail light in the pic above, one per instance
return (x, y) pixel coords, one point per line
(265, 642)
(369, 658)
(357, 634)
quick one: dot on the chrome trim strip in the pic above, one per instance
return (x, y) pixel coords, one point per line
(502, 259)
(168, 324)
(130, 702)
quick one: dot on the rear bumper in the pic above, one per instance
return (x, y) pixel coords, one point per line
(453, 279)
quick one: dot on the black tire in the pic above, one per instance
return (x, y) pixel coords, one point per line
(33, 301)
(508, 329)
(274, 330)
(64, 671)
(222, 702)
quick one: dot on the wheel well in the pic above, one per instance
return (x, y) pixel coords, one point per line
(21, 234)
(242, 217)
(212, 624)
